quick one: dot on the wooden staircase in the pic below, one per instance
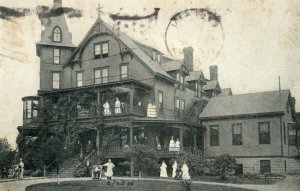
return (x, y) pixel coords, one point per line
(66, 170)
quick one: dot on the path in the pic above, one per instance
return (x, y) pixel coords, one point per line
(291, 183)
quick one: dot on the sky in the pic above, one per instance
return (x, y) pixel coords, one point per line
(255, 42)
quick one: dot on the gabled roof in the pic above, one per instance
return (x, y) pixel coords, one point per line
(225, 92)
(246, 104)
(194, 75)
(172, 65)
(211, 85)
(155, 67)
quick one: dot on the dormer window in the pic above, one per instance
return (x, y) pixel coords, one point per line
(56, 35)
(180, 79)
(158, 58)
(153, 55)
(101, 50)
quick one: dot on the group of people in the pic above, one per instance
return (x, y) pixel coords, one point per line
(119, 107)
(176, 172)
(174, 145)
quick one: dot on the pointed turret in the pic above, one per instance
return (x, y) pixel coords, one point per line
(54, 48)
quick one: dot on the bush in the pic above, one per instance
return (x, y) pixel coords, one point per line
(37, 173)
(28, 172)
(79, 172)
(195, 163)
(223, 165)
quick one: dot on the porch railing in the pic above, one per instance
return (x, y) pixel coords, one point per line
(120, 151)
(84, 161)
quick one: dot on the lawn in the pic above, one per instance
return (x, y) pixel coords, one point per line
(137, 186)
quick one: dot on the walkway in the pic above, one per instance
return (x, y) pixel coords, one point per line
(291, 183)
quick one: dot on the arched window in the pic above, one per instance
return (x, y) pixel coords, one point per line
(56, 35)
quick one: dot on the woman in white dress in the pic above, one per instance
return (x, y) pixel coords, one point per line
(172, 144)
(163, 170)
(174, 166)
(109, 171)
(106, 108)
(185, 172)
(177, 145)
(117, 106)
(21, 169)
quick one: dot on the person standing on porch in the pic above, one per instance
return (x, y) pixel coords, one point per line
(109, 171)
(172, 144)
(185, 171)
(117, 106)
(163, 170)
(174, 166)
(106, 108)
(177, 145)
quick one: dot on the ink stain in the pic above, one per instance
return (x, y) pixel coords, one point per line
(9, 13)
(45, 12)
(151, 16)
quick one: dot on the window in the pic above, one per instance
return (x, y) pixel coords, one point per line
(292, 135)
(180, 79)
(284, 133)
(214, 135)
(56, 56)
(124, 72)
(56, 35)
(79, 79)
(101, 50)
(265, 166)
(264, 132)
(158, 58)
(101, 75)
(182, 105)
(160, 101)
(35, 105)
(298, 137)
(55, 80)
(237, 134)
(287, 107)
(28, 109)
(153, 55)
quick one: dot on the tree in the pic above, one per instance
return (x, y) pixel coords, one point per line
(144, 159)
(223, 164)
(7, 155)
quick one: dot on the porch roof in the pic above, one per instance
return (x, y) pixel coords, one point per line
(164, 121)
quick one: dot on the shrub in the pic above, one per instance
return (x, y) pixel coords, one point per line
(37, 173)
(223, 165)
(195, 163)
(28, 172)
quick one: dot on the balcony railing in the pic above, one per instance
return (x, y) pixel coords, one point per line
(165, 113)
(120, 151)
(124, 109)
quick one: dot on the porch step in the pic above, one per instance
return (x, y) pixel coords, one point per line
(66, 169)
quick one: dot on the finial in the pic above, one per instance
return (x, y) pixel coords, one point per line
(99, 10)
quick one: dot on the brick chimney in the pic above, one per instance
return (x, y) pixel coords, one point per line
(57, 4)
(188, 58)
(213, 72)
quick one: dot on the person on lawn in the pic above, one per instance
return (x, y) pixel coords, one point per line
(109, 171)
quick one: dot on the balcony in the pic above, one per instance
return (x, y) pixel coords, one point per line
(163, 152)
(123, 110)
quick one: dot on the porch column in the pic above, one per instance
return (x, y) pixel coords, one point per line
(181, 138)
(131, 94)
(98, 125)
(130, 142)
(195, 138)
(98, 143)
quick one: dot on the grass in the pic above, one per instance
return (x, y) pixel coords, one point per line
(137, 186)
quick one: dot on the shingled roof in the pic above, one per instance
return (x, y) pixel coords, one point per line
(194, 75)
(130, 44)
(172, 65)
(246, 104)
(211, 85)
